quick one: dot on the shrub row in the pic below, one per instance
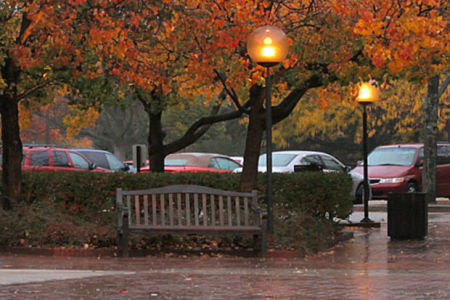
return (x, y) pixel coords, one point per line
(65, 209)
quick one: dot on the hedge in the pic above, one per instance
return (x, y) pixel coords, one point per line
(77, 209)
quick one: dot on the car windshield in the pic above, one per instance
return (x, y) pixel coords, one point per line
(392, 156)
(278, 160)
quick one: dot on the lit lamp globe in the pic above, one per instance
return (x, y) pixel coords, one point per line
(368, 93)
(267, 46)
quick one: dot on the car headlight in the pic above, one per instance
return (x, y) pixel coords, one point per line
(392, 180)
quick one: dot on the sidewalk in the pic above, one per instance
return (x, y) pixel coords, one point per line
(371, 266)
(441, 205)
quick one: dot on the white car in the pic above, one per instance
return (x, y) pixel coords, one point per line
(290, 161)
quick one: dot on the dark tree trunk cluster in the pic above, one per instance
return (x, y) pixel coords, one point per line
(12, 145)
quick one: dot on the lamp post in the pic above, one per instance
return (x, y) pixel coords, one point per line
(368, 94)
(268, 46)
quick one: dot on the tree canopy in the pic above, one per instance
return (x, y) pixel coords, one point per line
(168, 52)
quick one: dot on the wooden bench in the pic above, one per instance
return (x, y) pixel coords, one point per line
(189, 209)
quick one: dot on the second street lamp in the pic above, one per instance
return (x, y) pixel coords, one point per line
(268, 46)
(368, 94)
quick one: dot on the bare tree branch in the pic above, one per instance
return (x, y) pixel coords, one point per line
(201, 126)
(231, 93)
(444, 85)
(31, 90)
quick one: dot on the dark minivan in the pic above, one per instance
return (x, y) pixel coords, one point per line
(398, 169)
(104, 159)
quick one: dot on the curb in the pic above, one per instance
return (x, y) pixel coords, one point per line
(59, 252)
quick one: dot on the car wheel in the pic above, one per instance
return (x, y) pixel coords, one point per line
(359, 194)
(412, 188)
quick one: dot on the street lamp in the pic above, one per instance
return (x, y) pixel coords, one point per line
(268, 46)
(368, 94)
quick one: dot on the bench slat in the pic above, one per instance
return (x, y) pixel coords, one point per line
(188, 209)
(129, 207)
(229, 210)
(171, 209)
(213, 210)
(146, 209)
(154, 210)
(137, 208)
(221, 210)
(163, 210)
(238, 211)
(196, 211)
(246, 211)
(180, 220)
(204, 210)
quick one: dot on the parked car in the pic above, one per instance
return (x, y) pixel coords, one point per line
(289, 161)
(51, 159)
(239, 159)
(198, 162)
(104, 159)
(130, 163)
(398, 169)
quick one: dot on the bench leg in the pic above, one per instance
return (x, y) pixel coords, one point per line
(257, 244)
(264, 244)
(260, 240)
(123, 238)
(119, 237)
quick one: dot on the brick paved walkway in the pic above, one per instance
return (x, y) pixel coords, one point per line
(370, 266)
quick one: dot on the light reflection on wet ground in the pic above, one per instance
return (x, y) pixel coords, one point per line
(370, 266)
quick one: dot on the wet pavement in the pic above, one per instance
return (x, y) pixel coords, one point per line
(369, 266)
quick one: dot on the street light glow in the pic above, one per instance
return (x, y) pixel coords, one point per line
(364, 92)
(267, 46)
(368, 92)
(268, 52)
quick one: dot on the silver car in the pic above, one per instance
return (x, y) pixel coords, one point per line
(291, 161)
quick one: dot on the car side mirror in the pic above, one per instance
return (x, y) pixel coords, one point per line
(347, 169)
(126, 168)
(92, 166)
(420, 163)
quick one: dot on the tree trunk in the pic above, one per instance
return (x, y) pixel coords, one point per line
(256, 126)
(12, 151)
(120, 150)
(447, 128)
(155, 142)
(430, 115)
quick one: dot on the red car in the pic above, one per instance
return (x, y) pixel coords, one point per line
(398, 169)
(51, 159)
(198, 162)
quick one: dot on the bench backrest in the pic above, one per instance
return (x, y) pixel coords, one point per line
(189, 205)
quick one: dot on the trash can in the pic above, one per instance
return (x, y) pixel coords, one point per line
(407, 215)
